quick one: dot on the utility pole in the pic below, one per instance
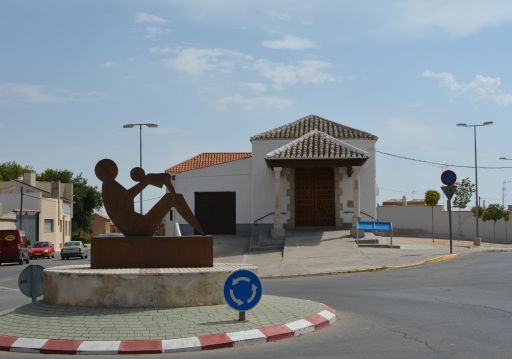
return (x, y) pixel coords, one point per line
(503, 191)
(21, 209)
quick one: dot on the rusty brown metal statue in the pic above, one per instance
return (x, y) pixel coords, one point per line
(119, 201)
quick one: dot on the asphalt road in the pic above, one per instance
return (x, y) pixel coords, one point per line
(457, 309)
(10, 296)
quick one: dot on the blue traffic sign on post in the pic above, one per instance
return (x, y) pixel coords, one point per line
(242, 290)
(448, 178)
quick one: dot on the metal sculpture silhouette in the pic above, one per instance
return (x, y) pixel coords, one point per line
(119, 204)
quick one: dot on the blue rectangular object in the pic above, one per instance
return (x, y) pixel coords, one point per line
(374, 226)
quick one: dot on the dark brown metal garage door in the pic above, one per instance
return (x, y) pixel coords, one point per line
(216, 212)
(314, 197)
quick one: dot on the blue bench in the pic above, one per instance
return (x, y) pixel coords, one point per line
(376, 226)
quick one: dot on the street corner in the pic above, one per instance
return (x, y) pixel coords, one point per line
(154, 331)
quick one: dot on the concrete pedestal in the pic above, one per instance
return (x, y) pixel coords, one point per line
(80, 285)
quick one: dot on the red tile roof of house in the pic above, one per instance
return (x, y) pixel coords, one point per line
(207, 159)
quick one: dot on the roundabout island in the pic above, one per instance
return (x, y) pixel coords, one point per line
(170, 297)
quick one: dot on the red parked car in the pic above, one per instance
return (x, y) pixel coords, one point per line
(42, 249)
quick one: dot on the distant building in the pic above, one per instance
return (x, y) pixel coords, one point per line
(43, 209)
(100, 224)
(309, 173)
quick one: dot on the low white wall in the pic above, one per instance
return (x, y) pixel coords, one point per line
(232, 176)
(417, 221)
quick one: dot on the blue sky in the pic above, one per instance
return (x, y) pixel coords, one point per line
(213, 73)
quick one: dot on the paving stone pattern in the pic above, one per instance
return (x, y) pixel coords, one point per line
(42, 320)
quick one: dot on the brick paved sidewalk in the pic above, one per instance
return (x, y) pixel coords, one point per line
(42, 320)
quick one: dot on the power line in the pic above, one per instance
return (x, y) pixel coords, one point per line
(442, 164)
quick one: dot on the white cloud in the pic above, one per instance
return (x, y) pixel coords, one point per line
(289, 42)
(247, 103)
(150, 32)
(196, 61)
(145, 18)
(304, 72)
(256, 87)
(153, 25)
(482, 87)
(107, 65)
(23, 93)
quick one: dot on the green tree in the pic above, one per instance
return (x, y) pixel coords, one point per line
(465, 190)
(50, 175)
(12, 170)
(86, 198)
(494, 212)
(432, 198)
(481, 211)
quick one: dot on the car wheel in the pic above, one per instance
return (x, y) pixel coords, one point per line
(62, 258)
(20, 260)
(86, 256)
(81, 257)
(27, 260)
(53, 255)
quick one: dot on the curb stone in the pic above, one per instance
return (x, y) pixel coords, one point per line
(309, 324)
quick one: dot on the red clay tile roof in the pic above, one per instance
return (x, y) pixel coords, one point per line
(207, 159)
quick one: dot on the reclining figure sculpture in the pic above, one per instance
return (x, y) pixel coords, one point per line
(119, 201)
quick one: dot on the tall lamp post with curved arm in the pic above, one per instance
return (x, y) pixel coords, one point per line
(131, 125)
(477, 241)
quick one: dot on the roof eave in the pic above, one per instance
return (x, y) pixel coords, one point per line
(316, 162)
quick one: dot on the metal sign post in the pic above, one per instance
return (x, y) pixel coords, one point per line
(449, 191)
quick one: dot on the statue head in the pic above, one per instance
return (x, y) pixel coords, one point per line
(106, 170)
(137, 174)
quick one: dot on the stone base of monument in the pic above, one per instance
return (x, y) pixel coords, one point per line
(79, 285)
(152, 252)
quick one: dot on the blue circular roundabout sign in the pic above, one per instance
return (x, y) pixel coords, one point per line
(242, 290)
(448, 178)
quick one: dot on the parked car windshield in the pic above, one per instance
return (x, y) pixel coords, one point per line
(72, 244)
(40, 245)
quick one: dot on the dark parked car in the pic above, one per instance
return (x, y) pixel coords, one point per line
(74, 249)
(14, 246)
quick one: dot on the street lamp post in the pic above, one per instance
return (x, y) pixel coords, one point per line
(477, 239)
(131, 125)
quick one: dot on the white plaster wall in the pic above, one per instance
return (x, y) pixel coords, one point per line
(417, 221)
(263, 182)
(368, 180)
(233, 176)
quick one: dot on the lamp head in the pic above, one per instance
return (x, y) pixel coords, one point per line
(128, 125)
(503, 158)
(488, 123)
(462, 125)
(152, 125)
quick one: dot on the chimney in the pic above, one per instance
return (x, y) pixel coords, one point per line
(29, 178)
(56, 189)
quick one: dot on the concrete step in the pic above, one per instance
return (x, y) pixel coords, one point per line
(267, 244)
(378, 245)
(367, 241)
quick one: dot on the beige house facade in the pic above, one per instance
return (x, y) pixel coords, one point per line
(44, 210)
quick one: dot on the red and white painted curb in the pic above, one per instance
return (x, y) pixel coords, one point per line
(204, 342)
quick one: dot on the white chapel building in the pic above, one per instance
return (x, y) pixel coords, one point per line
(312, 172)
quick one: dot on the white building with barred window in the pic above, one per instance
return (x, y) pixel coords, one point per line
(312, 172)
